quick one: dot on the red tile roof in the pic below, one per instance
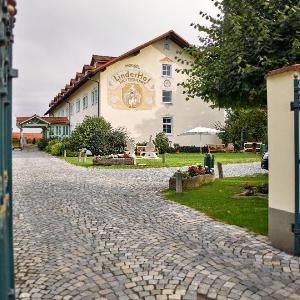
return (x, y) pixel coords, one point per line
(28, 135)
(52, 120)
(102, 62)
(98, 60)
(284, 69)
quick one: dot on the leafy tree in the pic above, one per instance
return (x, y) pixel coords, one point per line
(239, 47)
(97, 135)
(244, 125)
(161, 141)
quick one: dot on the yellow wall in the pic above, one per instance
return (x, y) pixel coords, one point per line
(141, 123)
(281, 141)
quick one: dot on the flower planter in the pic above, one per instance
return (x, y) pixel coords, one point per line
(103, 161)
(192, 182)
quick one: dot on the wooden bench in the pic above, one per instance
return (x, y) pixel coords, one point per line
(216, 148)
(140, 150)
(248, 147)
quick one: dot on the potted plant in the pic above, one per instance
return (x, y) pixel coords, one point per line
(194, 177)
(177, 148)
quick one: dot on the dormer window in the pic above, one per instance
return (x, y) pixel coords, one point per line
(166, 45)
(166, 70)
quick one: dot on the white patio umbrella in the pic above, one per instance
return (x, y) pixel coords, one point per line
(201, 131)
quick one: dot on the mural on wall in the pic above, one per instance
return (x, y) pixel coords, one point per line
(131, 88)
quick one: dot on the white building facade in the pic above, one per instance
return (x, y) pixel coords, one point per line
(139, 91)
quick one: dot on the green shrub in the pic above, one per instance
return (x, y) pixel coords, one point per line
(55, 149)
(43, 143)
(71, 153)
(50, 144)
(161, 141)
(98, 136)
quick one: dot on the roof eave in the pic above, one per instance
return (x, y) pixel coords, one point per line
(170, 34)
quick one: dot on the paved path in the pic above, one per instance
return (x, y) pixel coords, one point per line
(107, 234)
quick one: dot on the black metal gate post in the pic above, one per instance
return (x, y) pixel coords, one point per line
(295, 106)
(7, 285)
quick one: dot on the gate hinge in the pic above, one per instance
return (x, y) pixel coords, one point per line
(295, 105)
(11, 294)
(13, 73)
(296, 231)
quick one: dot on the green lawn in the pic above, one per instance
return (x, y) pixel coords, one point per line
(219, 200)
(178, 160)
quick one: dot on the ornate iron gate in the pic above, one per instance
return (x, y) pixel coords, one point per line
(7, 13)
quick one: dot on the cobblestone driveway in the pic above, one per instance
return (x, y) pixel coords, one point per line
(107, 234)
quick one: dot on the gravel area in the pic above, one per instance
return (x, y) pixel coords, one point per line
(108, 234)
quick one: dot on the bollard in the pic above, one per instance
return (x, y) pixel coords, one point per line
(164, 158)
(209, 161)
(178, 183)
(220, 169)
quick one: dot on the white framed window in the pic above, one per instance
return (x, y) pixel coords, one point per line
(166, 45)
(85, 103)
(167, 125)
(71, 109)
(78, 105)
(166, 96)
(58, 130)
(166, 70)
(94, 96)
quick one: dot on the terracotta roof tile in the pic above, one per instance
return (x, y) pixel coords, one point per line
(167, 59)
(28, 135)
(102, 62)
(98, 60)
(52, 120)
(295, 67)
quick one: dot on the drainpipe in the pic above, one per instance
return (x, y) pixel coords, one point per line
(295, 106)
(69, 117)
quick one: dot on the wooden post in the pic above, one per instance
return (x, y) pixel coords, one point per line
(164, 158)
(65, 153)
(84, 158)
(79, 157)
(178, 183)
(220, 169)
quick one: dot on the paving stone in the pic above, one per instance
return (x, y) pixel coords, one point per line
(88, 233)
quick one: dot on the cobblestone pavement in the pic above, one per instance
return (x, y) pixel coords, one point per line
(107, 234)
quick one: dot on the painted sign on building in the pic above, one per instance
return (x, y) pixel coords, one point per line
(131, 88)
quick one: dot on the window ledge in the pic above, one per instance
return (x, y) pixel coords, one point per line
(168, 103)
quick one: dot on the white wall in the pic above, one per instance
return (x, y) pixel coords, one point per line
(141, 123)
(281, 141)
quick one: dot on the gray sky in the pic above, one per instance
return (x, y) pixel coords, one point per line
(55, 38)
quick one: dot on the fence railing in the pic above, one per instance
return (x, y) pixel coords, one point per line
(7, 18)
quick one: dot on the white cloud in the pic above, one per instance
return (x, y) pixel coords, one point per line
(54, 38)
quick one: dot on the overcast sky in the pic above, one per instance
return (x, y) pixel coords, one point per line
(55, 38)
